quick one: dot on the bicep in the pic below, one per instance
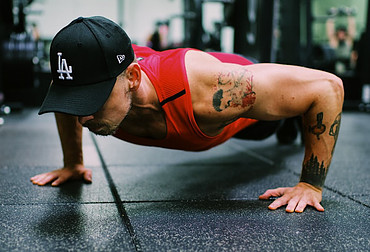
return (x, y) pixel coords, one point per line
(283, 91)
(223, 91)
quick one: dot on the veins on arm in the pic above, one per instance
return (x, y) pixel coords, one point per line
(234, 89)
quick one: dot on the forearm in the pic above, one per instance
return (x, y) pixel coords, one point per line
(351, 27)
(321, 128)
(70, 134)
(330, 32)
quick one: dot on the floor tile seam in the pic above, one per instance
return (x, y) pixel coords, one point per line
(59, 203)
(40, 166)
(359, 194)
(348, 196)
(192, 201)
(117, 199)
(171, 164)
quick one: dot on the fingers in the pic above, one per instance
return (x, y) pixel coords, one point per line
(43, 179)
(278, 203)
(58, 181)
(295, 198)
(302, 204)
(60, 176)
(87, 176)
(300, 207)
(292, 205)
(295, 204)
(272, 193)
(318, 207)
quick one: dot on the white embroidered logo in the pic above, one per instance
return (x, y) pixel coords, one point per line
(121, 58)
(63, 68)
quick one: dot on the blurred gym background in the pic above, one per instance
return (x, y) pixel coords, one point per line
(331, 35)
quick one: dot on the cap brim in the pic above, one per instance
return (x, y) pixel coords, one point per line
(77, 100)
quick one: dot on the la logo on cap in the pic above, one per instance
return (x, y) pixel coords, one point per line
(63, 68)
(121, 58)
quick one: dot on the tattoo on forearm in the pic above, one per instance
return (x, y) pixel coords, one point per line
(319, 128)
(314, 172)
(334, 129)
(234, 89)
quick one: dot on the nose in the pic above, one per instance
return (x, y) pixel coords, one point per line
(83, 119)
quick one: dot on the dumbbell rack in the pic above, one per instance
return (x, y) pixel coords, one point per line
(365, 104)
(4, 110)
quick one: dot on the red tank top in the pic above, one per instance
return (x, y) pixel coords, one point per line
(166, 70)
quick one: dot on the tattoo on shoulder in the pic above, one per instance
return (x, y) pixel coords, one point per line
(234, 89)
(314, 172)
(319, 128)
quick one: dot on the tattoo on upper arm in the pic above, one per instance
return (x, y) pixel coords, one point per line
(319, 128)
(234, 89)
(314, 172)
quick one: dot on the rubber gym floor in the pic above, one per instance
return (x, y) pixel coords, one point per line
(152, 199)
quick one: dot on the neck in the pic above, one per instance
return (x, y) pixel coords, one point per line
(145, 118)
(145, 96)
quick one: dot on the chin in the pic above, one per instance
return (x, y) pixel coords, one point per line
(104, 132)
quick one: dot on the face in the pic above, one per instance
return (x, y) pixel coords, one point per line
(109, 118)
(341, 35)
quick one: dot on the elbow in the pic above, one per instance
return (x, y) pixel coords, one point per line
(334, 89)
(338, 88)
(328, 92)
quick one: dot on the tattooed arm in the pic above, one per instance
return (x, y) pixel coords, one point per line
(221, 93)
(314, 170)
(318, 97)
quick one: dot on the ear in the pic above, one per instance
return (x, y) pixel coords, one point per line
(133, 73)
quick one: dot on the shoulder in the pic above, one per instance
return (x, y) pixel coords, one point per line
(201, 67)
(206, 69)
(194, 56)
(201, 71)
(198, 62)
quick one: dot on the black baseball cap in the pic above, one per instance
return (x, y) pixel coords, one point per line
(86, 56)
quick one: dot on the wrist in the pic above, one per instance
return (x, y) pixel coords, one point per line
(73, 159)
(73, 163)
(314, 187)
(314, 172)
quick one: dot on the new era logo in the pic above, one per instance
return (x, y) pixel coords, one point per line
(121, 58)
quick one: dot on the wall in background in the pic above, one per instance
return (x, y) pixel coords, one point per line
(138, 16)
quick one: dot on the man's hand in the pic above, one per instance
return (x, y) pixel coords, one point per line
(60, 176)
(297, 198)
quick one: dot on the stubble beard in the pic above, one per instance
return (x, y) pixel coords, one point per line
(104, 127)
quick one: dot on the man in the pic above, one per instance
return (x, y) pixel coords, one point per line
(183, 99)
(341, 39)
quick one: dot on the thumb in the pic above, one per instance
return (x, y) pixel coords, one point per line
(88, 175)
(272, 193)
